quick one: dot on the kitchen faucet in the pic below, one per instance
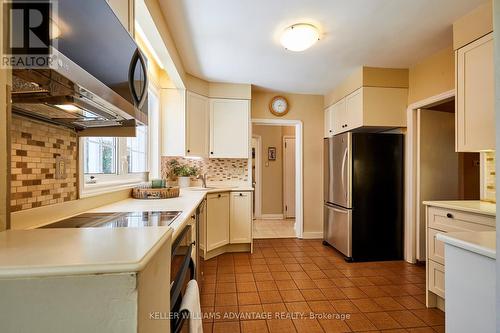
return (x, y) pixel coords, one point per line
(203, 178)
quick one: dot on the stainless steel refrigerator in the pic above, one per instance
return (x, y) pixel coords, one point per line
(363, 195)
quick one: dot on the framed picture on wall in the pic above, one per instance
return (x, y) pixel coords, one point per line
(271, 154)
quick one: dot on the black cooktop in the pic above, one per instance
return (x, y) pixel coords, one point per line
(117, 220)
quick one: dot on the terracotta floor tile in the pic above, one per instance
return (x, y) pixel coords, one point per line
(439, 329)
(315, 275)
(379, 280)
(243, 269)
(418, 330)
(280, 326)
(344, 306)
(361, 281)
(279, 276)
(333, 273)
(293, 267)
(276, 268)
(208, 288)
(291, 295)
(244, 277)
(260, 268)
(226, 327)
(388, 303)
(207, 312)
(366, 305)
(265, 276)
(225, 287)
(248, 298)
(409, 302)
(334, 325)
(310, 267)
(394, 290)
(302, 307)
(343, 282)
(274, 307)
(305, 284)
(406, 319)
(333, 293)
(359, 322)
(272, 296)
(207, 327)
(260, 261)
(254, 326)
(225, 269)
(307, 326)
(353, 292)
(432, 317)
(313, 295)
(226, 277)
(286, 285)
(266, 285)
(273, 260)
(382, 320)
(373, 291)
(321, 306)
(324, 283)
(245, 287)
(207, 299)
(226, 299)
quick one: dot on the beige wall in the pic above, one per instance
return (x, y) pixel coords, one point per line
(272, 171)
(474, 25)
(308, 109)
(432, 76)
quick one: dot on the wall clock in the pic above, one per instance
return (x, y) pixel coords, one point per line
(279, 106)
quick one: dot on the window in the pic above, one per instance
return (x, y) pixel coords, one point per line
(137, 151)
(100, 155)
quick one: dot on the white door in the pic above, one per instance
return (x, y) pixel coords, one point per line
(229, 128)
(289, 177)
(438, 165)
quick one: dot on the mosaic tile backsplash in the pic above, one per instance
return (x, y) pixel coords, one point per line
(35, 149)
(219, 171)
(489, 177)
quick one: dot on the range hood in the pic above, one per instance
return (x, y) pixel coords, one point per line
(97, 77)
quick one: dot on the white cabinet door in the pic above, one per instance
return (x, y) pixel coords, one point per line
(338, 117)
(475, 116)
(229, 128)
(329, 121)
(217, 220)
(353, 110)
(240, 226)
(197, 125)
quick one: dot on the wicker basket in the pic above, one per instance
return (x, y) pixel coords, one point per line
(156, 193)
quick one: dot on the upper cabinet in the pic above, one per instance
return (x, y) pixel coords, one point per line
(367, 107)
(124, 10)
(197, 125)
(229, 128)
(184, 123)
(475, 116)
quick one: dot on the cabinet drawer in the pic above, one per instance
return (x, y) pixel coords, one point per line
(218, 195)
(436, 278)
(435, 248)
(452, 220)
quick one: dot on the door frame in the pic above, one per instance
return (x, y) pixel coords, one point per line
(284, 170)
(411, 160)
(258, 177)
(299, 190)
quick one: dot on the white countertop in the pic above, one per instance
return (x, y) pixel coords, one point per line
(471, 206)
(48, 252)
(480, 242)
(67, 251)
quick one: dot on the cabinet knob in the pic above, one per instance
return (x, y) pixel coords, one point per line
(212, 152)
(241, 194)
(330, 131)
(219, 196)
(449, 215)
(188, 151)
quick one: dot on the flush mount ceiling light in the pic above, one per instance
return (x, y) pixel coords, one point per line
(299, 37)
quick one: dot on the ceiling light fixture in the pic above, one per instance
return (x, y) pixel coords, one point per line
(299, 37)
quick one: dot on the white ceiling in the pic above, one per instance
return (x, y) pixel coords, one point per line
(238, 40)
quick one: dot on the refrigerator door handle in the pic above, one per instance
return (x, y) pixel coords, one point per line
(344, 160)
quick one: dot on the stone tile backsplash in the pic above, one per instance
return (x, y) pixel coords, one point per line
(35, 148)
(489, 192)
(219, 171)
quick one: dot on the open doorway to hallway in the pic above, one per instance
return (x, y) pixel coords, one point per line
(273, 168)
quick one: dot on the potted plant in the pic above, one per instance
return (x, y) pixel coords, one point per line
(182, 172)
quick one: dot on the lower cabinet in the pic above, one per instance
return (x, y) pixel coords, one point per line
(443, 220)
(240, 222)
(217, 220)
(229, 222)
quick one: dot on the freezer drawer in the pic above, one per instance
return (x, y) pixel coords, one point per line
(337, 229)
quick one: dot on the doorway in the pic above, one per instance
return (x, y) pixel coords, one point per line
(277, 171)
(434, 170)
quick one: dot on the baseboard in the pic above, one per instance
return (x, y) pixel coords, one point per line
(312, 235)
(272, 217)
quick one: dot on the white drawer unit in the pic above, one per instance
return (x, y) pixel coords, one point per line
(443, 220)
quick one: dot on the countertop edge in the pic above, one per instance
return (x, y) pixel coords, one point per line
(73, 270)
(447, 204)
(449, 239)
